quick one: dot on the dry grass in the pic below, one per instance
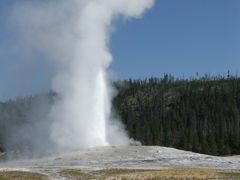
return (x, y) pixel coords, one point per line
(174, 173)
(124, 174)
(20, 175)
(75, 174)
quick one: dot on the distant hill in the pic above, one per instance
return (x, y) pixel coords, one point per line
(200, 115)
(23, 122)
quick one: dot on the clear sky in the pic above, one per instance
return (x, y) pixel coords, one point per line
(181, 37)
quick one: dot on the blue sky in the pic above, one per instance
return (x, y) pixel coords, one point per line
(181, 37)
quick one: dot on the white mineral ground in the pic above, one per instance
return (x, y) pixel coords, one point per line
(133, 157)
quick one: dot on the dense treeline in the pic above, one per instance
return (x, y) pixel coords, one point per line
(200, 115)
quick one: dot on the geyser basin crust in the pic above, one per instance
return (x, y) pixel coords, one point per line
(130, 157)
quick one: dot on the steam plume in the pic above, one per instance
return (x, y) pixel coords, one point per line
(73, 35)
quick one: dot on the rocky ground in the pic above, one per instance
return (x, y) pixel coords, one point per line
(133, 162)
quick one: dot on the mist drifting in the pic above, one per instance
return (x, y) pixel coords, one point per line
(73, 36)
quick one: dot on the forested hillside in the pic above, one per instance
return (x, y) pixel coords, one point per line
(200, 115)
(23, 123)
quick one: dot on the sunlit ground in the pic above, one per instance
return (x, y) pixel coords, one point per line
(172, 173)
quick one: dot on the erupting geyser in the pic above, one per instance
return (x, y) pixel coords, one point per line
(74, 35)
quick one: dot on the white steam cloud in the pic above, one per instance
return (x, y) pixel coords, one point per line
(73, 36)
